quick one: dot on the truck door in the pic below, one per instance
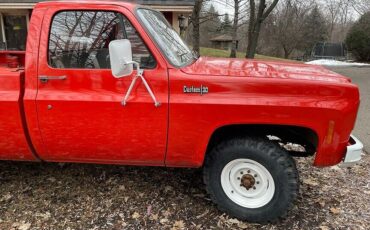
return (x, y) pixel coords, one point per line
(80, 114)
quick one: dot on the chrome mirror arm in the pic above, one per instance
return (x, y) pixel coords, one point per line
(140, 75)
(124, 102)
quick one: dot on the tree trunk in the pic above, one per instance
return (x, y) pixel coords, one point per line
(255, 24)
(254, 40)
(287, 52)
(235, 30)
(252, 18)
(196, 25)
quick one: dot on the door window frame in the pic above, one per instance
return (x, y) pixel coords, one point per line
(96, 10)
(42, 59)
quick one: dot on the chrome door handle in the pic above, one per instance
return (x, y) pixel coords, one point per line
(45, 79)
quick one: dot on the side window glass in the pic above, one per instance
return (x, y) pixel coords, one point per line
(140, 52)
(80, 39)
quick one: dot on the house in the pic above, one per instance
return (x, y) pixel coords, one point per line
(15, 16)
(223, 42)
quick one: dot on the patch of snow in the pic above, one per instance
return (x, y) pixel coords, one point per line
(327, 62)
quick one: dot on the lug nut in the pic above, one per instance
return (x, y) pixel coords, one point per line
(258, 182)
(241, 172)
(254, 188)
(238, 178)
(249, 171)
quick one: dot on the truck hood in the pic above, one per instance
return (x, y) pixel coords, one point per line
(263, 69)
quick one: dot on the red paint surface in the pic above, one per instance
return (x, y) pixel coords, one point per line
(16, 57)
(88, 124)
(13, 144)
(262, 69)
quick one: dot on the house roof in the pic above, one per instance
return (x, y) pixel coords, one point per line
(222, 38)
(144, 2)
(161, 5)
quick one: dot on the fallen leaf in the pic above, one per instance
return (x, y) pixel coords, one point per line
(149, 210)
(52, 179)
(202, 215)
(242, 225)
(178, 225)
(110, 181)
(220, 224)
(335, 211)
(233, 221)
(199, 195)
(46, 215)
(310, 182)
(136, 215)
(335, 168)
(323, 227)
(167, 189)
(25, 226)
(166, 213)
(163, 221)
(6, 197)
(155, 216)
(320, 202)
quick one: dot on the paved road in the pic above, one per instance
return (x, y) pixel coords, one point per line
(361, 77)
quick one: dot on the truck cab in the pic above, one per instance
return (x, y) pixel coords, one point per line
(111, 82)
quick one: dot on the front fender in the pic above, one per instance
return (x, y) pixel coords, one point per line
(194, 117)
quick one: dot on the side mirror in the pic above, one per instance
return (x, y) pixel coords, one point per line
(120, 53)
(122, 65)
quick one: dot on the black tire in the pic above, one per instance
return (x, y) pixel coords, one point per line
(278, 163)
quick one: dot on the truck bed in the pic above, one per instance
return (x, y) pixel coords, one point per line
(13, 144)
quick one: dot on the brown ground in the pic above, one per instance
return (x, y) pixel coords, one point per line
(54, 196)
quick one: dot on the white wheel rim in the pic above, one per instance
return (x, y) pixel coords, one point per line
(239, 175)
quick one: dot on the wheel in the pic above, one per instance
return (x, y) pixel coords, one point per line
(251, 179)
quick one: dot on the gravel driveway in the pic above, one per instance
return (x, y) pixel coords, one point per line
(75, 196)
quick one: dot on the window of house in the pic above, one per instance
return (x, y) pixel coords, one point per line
(15, 28)
(80, 39)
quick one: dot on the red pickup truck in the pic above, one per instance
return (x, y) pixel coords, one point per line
(110, 82)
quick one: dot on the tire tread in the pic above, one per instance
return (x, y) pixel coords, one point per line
(274, 151)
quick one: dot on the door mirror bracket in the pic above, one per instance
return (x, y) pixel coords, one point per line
(139, 74)
(122, 65)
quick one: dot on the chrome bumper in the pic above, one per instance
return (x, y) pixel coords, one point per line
(354, 152)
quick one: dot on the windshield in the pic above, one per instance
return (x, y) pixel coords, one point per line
(175, 49)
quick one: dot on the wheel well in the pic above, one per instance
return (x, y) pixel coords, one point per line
(282, 134)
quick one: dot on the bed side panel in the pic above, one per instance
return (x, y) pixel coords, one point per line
(13, 143)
